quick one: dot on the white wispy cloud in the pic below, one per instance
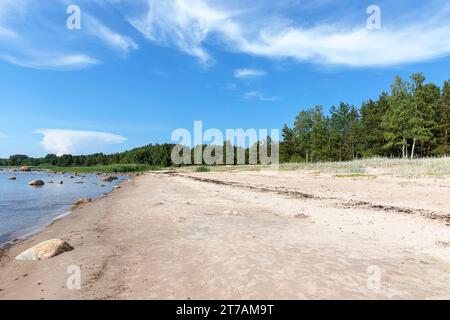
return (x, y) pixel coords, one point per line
(76, 141)
(183, 24)
(188, 25)
(229, 87)
(3, 135)
(7, 34)
(257, 95)
(31, 38)
(51, 61)
(110, 37)
(160, 73)
(267, 29)
(248, 73)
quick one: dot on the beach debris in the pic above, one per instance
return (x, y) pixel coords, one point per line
(231, 212)
(301, 216)
(45, 250)
(109, 178)
(50, 181)
(25, 169)
(79, 182)
(117, 187)
(82, 201)
(12, 178)
(36, 183)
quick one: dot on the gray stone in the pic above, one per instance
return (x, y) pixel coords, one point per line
(45, 250)
(36, 183)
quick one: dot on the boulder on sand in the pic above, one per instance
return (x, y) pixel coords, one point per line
(45, 250)
(82, 201)
(25, 169)
(109, 178)
(36, 183)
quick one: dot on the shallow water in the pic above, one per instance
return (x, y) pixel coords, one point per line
(25, 210)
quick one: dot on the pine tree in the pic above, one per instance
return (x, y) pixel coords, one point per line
(302, 132)
(319, 135)
(442, 132)
(422, 113)
(395, 121)
(345, 130)
(372, 133)
(287, 147)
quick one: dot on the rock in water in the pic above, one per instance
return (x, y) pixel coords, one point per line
(82, 201)
(25, 169)
(36, 183)
(12, 178)
(45, 250)
(109, 178)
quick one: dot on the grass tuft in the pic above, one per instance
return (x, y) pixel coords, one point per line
(202, 169)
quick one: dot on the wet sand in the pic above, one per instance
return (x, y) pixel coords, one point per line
(247, 235)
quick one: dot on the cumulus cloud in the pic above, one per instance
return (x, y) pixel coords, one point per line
(188, 25)
(248, 73)
(76, 141)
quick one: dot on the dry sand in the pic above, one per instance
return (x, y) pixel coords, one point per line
(247, 235)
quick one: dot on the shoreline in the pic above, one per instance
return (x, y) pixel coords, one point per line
(164, 236)
(96, 170)
(62, 222)
(4, 247)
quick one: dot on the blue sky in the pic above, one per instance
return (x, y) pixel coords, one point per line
(139, 69)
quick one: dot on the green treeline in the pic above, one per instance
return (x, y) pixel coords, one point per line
(158, 155)
(413, 120)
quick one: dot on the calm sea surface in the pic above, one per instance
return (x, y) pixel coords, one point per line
(25, 210)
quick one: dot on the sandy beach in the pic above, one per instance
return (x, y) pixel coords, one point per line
(247, 235)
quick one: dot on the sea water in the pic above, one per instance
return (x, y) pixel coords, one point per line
(25, 210)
